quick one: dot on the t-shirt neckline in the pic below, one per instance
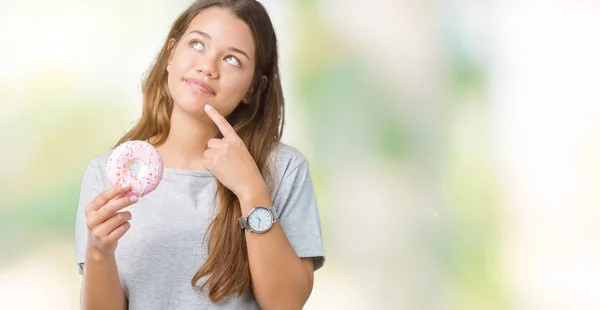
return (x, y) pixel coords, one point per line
(196, 173)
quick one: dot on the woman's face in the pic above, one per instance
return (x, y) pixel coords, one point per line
(213, 63)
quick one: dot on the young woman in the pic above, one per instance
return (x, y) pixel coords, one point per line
(213, 108)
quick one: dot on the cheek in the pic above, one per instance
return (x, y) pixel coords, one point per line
(173, 82)
(176, 71)
(236, 84)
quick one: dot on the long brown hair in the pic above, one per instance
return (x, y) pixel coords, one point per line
(259, 124)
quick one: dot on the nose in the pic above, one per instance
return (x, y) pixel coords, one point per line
(207, 65)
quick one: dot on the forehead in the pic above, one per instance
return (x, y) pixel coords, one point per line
(224, 28)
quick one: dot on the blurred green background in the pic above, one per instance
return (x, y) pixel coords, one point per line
(453, 144)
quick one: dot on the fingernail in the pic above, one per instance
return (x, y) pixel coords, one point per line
(207, 107)
(133, 198)
(126, 185)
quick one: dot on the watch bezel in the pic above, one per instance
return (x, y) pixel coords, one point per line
(270, 223)
(244, 224)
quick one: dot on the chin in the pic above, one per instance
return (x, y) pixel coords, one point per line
(193, 106)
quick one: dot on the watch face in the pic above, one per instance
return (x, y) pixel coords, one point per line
(260, 219)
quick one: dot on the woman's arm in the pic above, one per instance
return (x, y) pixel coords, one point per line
(280, 279)
(101, 287)
(101, 283)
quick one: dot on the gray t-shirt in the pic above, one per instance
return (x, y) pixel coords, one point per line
(164, 248)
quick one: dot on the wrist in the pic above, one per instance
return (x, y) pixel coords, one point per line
(98, 255)
(257, 196)
(253, 191)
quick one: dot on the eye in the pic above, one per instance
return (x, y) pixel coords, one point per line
(197, 45)
(232, 60)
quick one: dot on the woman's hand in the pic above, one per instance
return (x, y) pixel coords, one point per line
(106, 225)
(230, 161)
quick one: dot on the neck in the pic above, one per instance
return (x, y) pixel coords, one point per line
(185, 145)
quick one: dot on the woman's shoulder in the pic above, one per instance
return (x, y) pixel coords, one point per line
(289, 156)
(287, 160)
(97, 163)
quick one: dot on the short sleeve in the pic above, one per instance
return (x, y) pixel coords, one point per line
(90, 188)
(296, 205)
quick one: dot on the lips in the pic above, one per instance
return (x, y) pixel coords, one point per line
(200, 86)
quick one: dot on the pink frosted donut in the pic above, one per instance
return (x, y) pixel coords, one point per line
(138, 163)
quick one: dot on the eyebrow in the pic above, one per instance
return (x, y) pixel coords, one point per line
(233, 49)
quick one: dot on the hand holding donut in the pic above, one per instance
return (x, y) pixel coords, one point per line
(230, 161)
(134, 169)
(105, 223)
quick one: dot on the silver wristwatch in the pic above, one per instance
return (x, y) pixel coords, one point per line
(259, 220)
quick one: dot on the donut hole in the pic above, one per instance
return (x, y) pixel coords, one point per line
(137, 168)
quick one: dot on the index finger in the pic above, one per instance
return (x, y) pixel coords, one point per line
(106, 196)
(220, 121)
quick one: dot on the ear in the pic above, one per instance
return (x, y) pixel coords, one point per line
(171, 49)
(263, 84)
